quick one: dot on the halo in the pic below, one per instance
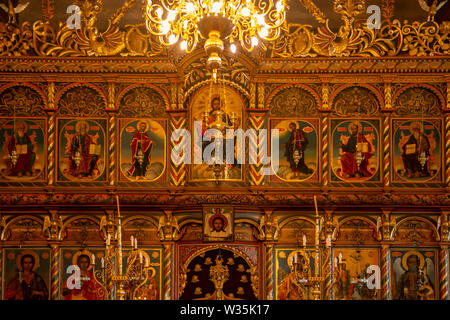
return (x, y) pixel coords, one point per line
(16, 124)
(409, 253)
(354, 122)
(77, 126)
(30, 252)
(79, 253)
(416, 123)
(218, 215)
(147, 125)
(290, 258)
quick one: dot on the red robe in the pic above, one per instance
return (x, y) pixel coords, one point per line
(348, 158)
(90, 290)
(146, 143)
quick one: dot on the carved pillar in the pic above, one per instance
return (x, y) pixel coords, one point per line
(447, 148)
(325, 109)
(112, 122)
(443, 272)
(257, 120)
(54, 258)
(178, 171)
(269, 256)
(387, 110)
(51, 133)
(385, 272)
(168, 270)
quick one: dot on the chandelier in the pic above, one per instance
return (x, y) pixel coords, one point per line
(189, 21)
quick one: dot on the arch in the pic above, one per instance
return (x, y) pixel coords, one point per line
(80, 84)
(347, 219)
(146, 218)
(433, 89)
(15, 219)
(70, 220)
(369, 87)
(290, 219)
(190, 94)
(26, 84)
(278, 89)
(142, 84)
(411, 218)
(189, 221)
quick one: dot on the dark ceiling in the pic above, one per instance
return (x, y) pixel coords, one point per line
(404, 10)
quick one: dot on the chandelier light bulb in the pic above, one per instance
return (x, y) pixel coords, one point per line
(255, 41)
(159, 12)
(172, 15)
(183, 45)
(165, 27)
(279, 6)
(260, 19)
(172, 39)
(190, 7)
(245, 12)
(216, 7)
(233, 48)
(264, 32)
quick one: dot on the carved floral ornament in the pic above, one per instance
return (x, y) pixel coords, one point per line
(353, 38)
(294, 101)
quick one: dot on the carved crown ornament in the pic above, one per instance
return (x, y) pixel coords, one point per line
(354, 37)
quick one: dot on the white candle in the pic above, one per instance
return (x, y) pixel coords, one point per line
(140, 257)
(93, 259)
(335, 262)
(132, 241)
(304, 241)
(108, 239)
(295, 258)
(340, 257)
(135, 243)
(146, 262)
(103, 263)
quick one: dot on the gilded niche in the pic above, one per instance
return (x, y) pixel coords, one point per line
(355, 101)
(417, 101)
(81, 101)
(21, 101)
(142, 101)
(293, 101)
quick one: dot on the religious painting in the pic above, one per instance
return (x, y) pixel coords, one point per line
(297, 149)
(355, 150)
(219, 273)
(82, 150)
(85, 263)
(218, 224)
(350, 273)
(23, 149)
(142, 149)
(414, 274)
(293, 267)
(417, 152)
(26, 274)
(214, 110)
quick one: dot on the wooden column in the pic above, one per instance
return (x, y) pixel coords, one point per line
(269, 271)
(168, 271)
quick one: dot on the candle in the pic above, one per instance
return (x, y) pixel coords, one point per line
(93, 259)
(304, 241)
(103, 263)
(146, 261)
(135, 243)
(140, 257)
(340, 257)
(132, 241)
(295, 258)
(335, 262)
(108, 239)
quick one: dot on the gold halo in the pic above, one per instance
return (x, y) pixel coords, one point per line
(78, 124)
(290, 257)
(409, 253)
(416, 123)
(30, 252)
(357, 123)
(79, 253)
(20, 122)
(147, 125)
